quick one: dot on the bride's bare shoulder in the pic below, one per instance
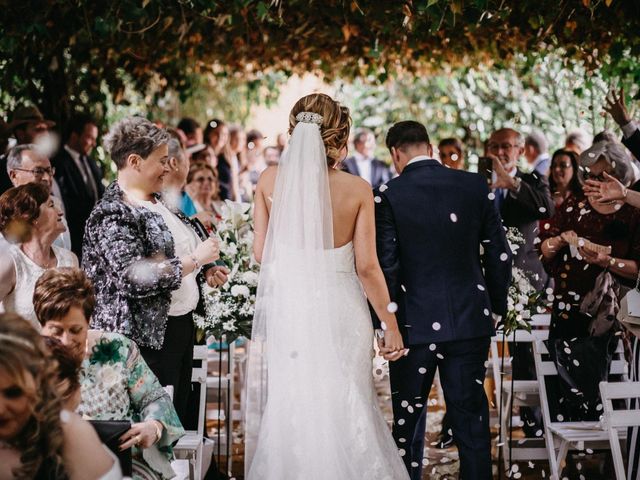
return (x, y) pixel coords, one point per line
(353, 184)
(268, 176)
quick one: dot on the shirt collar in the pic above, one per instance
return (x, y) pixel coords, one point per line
(419, 158)
(75, 155)
(359, 157)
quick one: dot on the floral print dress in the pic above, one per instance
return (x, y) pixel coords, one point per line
(117, 384)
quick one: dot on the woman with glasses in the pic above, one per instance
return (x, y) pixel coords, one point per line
(30, 222)
(563, 177)
(590, 249)
(204, 188)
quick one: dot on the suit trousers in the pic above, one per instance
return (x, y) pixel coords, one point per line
(462, 371)
(172, 364)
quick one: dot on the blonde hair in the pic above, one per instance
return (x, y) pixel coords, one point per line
(336, 123)
(23, 356)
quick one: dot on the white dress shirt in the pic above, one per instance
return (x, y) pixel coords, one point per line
(419, 158)
(364, 166)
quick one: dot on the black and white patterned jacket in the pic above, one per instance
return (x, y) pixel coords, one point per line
(128, 253)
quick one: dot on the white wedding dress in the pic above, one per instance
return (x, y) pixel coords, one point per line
(312, 409)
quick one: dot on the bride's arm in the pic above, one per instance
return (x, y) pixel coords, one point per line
(261, 211)
(370, 273)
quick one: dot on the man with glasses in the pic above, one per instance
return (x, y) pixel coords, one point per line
(523, 199)
(26, 165)
(27, 125)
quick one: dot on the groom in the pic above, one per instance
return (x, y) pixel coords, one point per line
(447, 264)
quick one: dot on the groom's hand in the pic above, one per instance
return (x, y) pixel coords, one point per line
(391, 345)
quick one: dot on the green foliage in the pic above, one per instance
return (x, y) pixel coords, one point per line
(74, 54)
(546, 91)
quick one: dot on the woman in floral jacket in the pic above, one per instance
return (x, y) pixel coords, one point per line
(145, 259)
(116, 383)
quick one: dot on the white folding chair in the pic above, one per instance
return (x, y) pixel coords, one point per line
(524, 393)
(560, 437)
(616, 421)
(190, 446)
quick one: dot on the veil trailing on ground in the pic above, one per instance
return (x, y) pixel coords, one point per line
(290, 319)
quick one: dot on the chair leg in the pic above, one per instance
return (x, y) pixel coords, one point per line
(562, 454)
(551, 451)
(506, 420)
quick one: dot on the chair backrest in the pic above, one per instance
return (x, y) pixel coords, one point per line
(541, 320)
(617, 391)
(546, 368)
(199, 375)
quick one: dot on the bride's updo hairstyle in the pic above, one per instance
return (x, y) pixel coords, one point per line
(336, 123)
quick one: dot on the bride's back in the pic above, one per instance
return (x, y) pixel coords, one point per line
(348, 194)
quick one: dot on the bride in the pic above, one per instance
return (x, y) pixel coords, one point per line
(312, 411)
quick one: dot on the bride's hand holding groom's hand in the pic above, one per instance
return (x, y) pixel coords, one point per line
(391, 345)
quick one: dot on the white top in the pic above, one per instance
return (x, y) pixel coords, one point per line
(419, 158)
(364, 166)
(185, 298)
(20, 300)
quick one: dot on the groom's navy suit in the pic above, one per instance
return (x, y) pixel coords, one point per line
(431, 223)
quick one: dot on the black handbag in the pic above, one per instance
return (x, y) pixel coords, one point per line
(110, 432)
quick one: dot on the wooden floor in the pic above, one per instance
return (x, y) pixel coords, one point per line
(444, 464)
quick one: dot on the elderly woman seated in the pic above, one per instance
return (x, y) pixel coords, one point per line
(116, 383)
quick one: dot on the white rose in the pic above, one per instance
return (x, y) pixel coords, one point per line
(240, 291)
(229, 326)
(230, 249)
(250, 278)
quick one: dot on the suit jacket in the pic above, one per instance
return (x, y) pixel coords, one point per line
(225, 180)
(78, 198)
(633, 143)
(380, 173)
(5, 181)
(430, 224)
(523, 210)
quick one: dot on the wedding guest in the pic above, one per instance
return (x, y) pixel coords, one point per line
(28, 126)
(281, 142)
(563, 179)
(577, 141)
(238, 151)
(27, 164)
(29, 218)
(115, 381)
(271, 156)
(144, 259)
(78, 175)
(521, 198)
(610, 189)
(173, 187)
(536, 151)
(255, 142)
(216, 135)
(205, 191)
(451, 153)
(591, 273)
(192, 131)
(206, 155)
(40, 439)
(363, 161)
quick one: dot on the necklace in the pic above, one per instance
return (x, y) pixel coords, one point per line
(48, 264)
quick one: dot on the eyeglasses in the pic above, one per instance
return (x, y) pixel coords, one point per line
(204, 179)
(494, 147)
(562, 165)
(39, 172)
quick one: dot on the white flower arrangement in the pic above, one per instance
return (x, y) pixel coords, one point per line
(230, 308)
(523, 299)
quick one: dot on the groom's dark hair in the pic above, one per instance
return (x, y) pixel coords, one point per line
(406, 133)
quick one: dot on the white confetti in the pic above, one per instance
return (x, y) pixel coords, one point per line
(486, 312)
(383, 325)
(478, 381)
(542, 210)
(422, 370)
(383, 187)
(392, 307)
(432, 347)
(377, 199)
(401, 452)
(401, 421)
(453, 217)
(504, 256)
(492, 196)
(481, 287)
(404, 404)
(440, 356)
(436, 326)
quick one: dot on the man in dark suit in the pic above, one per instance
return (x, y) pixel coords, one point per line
(363, 163)
(431, 223)
(523, 199)
(79, 176)
(617, 108)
